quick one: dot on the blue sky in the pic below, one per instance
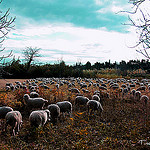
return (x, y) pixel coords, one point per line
(71, 30)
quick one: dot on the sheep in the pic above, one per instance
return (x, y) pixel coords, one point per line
(7, 88)
(141, 88)
(96, 97)
(34, 102)
(144, 99)
(34, 94)
(65, 106)
(94, 105)
(81, 100)
(39, 117)
(85, 91)
(132, 93)
(124, 92)
(74, 90)
(102, 88)
(97, 93)
(4, 110)
(54, 111)
(14, 119)
(137, 95)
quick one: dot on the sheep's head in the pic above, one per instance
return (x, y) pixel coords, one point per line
(26, 97)
(48, 114)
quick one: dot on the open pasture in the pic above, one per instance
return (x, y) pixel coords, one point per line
(124, 123)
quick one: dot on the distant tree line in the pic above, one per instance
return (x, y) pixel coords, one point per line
(17, 69)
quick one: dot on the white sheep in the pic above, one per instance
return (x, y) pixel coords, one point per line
(65, 106)
(141, 88)
(94, 105)
(54, 111)
(14, 119)
(4, 110)
(74, 90)
(34, 102)
(144, 99)
(137, 95)
(34, 94)
(39, 117)
(81, 101)
(96, 97)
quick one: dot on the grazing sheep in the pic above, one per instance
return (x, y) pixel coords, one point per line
(144, 99)
(133, 92)
(74, 90)
(102, 88)
(137, 95)
(94, 105)
(141, 88)
(4, 110)
(83, 85)
(65, 106)
(54, 111)
(81, 100)
(125, 92)
(96, 93)
(132, 85)
(96, 97)
(14, 119)
(34, 102)
(7, 88)
(123, 86)
(39, 117)
(34, 94)
(85, 91)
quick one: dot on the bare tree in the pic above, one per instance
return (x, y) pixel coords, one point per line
(6, 24)
(30, 54)
(142, 24)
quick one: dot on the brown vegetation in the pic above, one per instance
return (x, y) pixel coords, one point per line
(125, 124)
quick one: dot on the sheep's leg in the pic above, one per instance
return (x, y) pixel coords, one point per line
(6, 127)
(64, 114)
(70, 113)
(13, 129)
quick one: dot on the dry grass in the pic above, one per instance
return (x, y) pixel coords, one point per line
(122, 125)
(4, 81)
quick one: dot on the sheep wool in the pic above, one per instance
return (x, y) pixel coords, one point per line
(14, 119)
(39, 117)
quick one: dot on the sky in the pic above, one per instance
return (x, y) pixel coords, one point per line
(71, 30)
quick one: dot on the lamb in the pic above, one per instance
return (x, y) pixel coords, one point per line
(14, 119)
(39, 117)
(4, 110)
(34, 94)
(34, 102)
(94, 105)
(65, 106)
(81, 101)
(54, 111)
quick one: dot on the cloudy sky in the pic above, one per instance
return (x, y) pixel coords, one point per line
(71, 30)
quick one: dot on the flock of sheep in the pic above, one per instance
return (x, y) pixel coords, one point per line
(52, 112)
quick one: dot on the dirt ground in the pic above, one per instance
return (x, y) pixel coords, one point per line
(4, 81)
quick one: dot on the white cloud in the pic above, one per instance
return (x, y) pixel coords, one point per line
(78, 43)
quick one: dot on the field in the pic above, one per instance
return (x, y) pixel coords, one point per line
(124, 124)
